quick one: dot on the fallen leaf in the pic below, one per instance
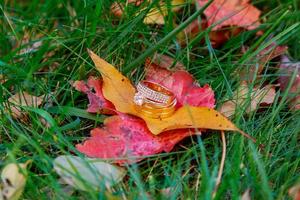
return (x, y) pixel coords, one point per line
(155, 15)
(126, 139)
(117, 9)
(136, 2)
(2, 79)
(93, 89)
(246, 195)
(262, 58)
(217, 37)
(270, 52)
(192, 30)
(244, 94)
(167, 192)
(32, 40)
(231, 13)
(87, 173)
(23, 99)
(287, 69)
(13, 181)
(294, 192)
(119, 90)
(30, 43)
(73, 15)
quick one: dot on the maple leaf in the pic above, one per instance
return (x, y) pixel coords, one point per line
(126, 139)
(287, 69)
(182, 84)
(231, 13)
(93, 89)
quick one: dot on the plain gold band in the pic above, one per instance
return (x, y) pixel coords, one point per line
(152, 112)
(154, 101)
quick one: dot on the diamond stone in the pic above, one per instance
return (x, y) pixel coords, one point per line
(138, 99)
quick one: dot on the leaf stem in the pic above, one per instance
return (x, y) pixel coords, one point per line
(220, 172)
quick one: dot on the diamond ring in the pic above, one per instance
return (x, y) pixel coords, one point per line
(154, 100)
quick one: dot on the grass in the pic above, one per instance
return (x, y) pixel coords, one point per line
(67, 28)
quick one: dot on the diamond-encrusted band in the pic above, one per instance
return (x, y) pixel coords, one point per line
(153, 92)
(154, 100)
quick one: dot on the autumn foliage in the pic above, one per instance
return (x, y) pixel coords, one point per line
(129, 136)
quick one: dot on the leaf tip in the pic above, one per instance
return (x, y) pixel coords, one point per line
(90, 52)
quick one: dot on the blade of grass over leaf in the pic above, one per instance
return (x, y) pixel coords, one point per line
(167, 38)
(71, 111)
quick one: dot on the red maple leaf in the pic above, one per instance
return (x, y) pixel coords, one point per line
(93, 89)
(126, 139)
(231, 13)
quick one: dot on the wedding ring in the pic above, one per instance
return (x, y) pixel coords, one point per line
(154, 100)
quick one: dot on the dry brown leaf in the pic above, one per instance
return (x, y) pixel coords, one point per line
(23, 99)
(262, 59)
(258, 96)
(27, 43)
(13, 181)
(219, 37)
(119, 90)
(117, 9)
(246, 195)
(287, 70)
(154, 16)
(2, 79)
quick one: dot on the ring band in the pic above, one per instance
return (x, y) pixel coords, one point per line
(149, 91)
(154, 100)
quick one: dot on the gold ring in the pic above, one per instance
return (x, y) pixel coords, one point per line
(154, 100)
